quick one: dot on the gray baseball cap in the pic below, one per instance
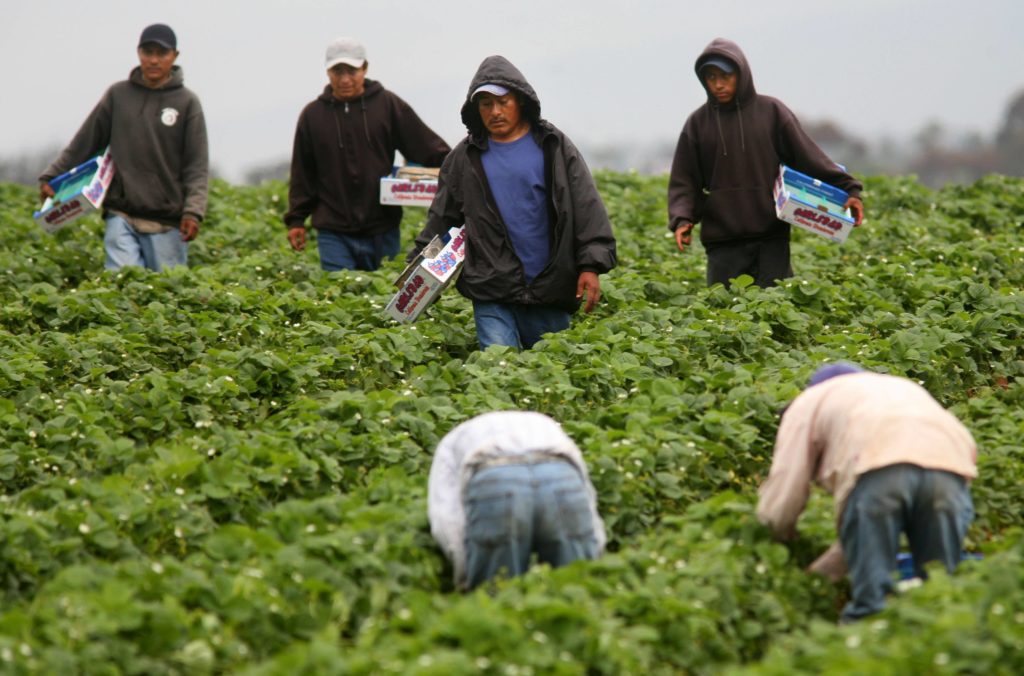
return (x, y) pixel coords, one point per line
(348, 51)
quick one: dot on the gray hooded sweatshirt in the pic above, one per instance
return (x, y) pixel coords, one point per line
(728, 157)
(581, 237)
(157, 138)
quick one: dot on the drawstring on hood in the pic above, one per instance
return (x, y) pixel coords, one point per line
(743, 138)
(372, 88)
(745, 91)
(337, 126)
(175, 81)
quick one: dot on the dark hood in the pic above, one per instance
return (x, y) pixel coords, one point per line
(500, 71)
(370, 89)
(721, 47)
(176, 81)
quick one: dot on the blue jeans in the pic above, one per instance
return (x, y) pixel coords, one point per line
(124, 246)
(518, 326)
(932, 507)
(514, 511)
(351, 252)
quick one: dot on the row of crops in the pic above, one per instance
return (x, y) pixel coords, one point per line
(224, 468)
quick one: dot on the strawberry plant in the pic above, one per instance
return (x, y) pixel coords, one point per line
(223, 468)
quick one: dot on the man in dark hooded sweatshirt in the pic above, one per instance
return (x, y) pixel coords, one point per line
(537, 233)
(726, 163)
(156, 132)
(345, 141)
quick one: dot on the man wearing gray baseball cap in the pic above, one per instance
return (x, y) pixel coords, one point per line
(345, 141)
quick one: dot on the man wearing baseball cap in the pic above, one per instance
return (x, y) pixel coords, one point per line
(725, 164)
(895, 461)
(345, 141)
(537, 233)
(156, 133)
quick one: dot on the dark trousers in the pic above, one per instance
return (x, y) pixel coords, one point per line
(766, 260)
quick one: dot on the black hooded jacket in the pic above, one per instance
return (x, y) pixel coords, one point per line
(581, 234)
(728, 157)
(342, 149)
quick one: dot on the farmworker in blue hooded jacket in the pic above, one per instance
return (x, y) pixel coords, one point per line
(507, 485)
(156, 132)
(345, 141)
(726, 163)
(537, 233)
(896, 462)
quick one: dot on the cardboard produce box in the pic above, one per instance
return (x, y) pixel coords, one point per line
(812, 205)
(428, 275)
(77, 192)
(409, 187)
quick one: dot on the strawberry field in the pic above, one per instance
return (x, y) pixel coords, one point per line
(224, 468)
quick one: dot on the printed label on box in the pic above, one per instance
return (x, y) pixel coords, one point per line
(812, 205)
(425, 278)
(406, 192)
(77, 192)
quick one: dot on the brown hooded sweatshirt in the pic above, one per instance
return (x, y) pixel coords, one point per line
(341, 151)
(728, 157)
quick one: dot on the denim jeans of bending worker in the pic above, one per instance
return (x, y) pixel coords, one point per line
(158, 251)
(932, 507)
(516, 511)
(518, 326)
(351, 252)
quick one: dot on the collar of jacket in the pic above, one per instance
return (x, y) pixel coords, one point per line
(541, 132)
(370, 89)
(175, 81)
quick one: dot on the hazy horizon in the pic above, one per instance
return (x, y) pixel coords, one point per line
(606, 72)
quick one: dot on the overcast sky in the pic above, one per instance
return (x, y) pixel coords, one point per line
(606, 72)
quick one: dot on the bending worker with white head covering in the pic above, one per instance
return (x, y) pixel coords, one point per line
(505, 486)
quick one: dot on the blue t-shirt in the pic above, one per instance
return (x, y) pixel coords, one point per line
(515, 172)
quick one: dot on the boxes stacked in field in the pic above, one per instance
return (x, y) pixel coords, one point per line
(77, 193)
(812, 205)
(426, 277)
(409, 187)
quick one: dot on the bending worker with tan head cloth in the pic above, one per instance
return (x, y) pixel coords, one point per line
(896, 462)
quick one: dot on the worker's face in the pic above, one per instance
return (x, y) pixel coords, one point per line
(347, 83)
(720, 84)
(502, 116)
(156, 62)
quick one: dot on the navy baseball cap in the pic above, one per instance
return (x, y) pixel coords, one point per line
(726, 65)
(829, 371)
(161, 34)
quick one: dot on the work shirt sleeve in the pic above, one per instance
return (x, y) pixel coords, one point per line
(446, 211)
(90, 139)
(799, 151)
(195, 170)
(594, 241)
(302, 195)
(784, 494)
(684, 182)
(416, 141)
